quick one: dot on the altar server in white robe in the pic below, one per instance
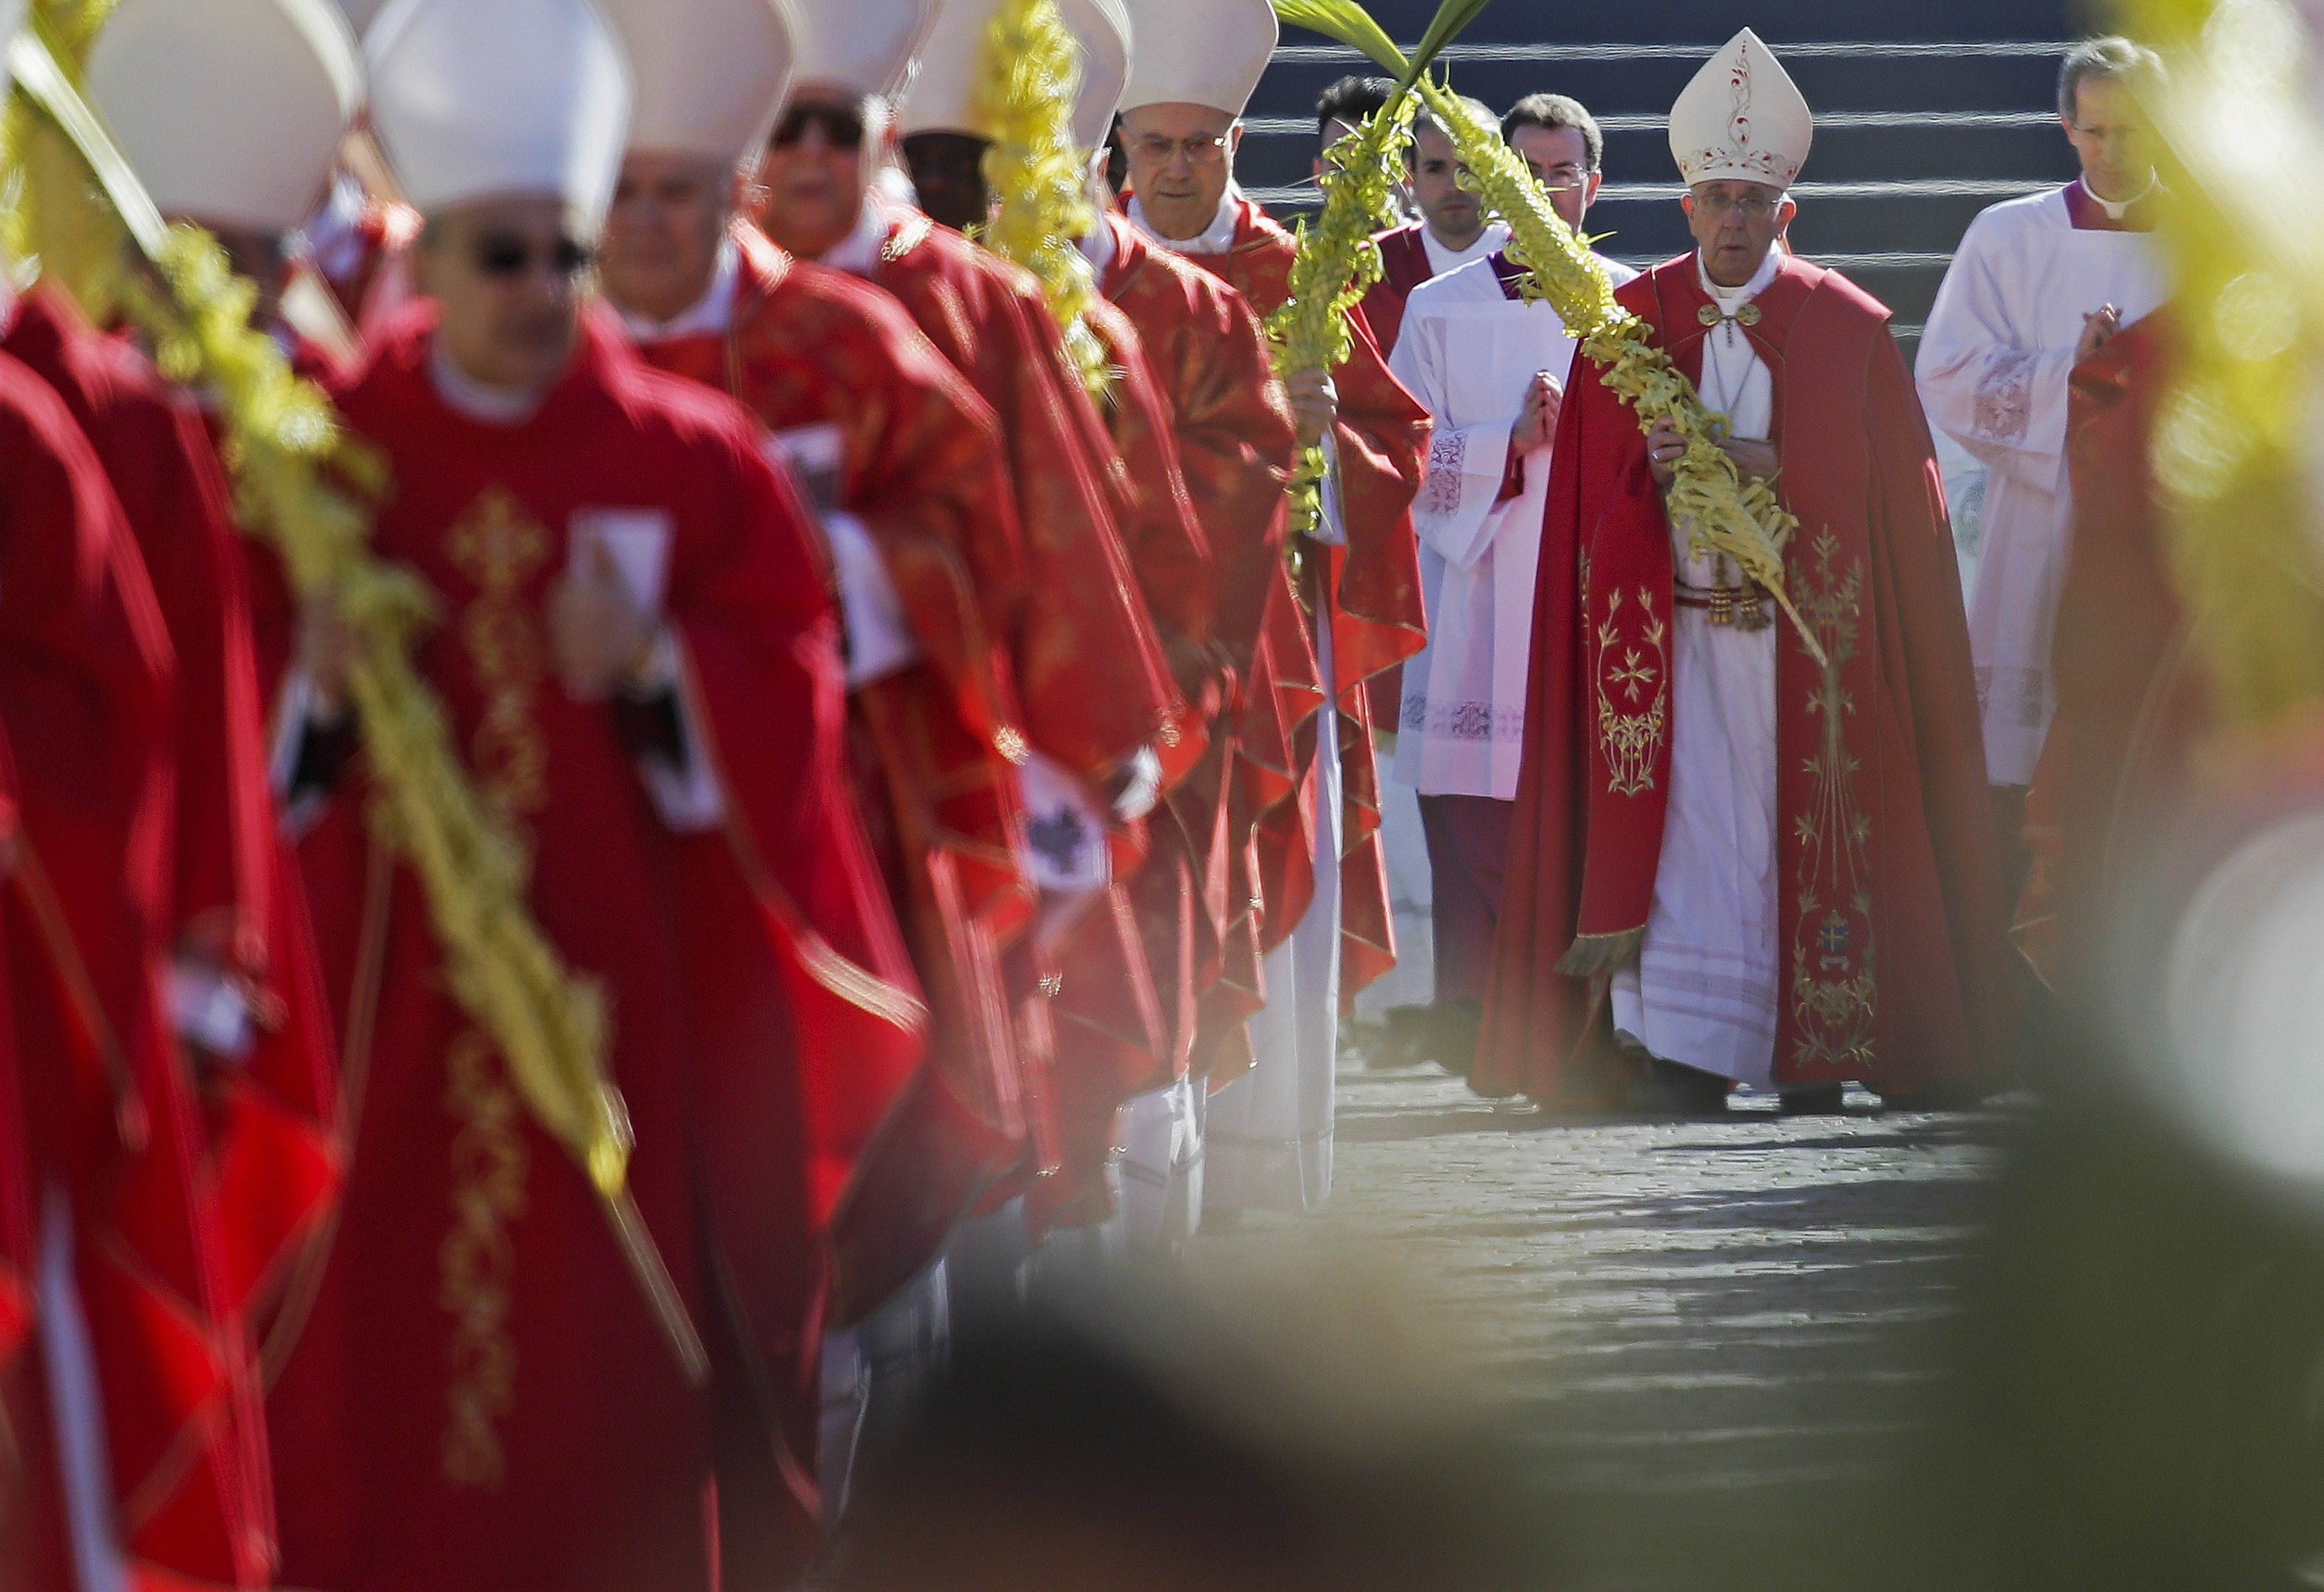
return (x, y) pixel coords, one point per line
(1491, 370)
(2039, 284)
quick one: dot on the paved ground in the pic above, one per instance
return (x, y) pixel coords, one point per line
(1723, 1341)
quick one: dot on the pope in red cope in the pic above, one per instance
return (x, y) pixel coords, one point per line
(1725, 860)
(639, 666)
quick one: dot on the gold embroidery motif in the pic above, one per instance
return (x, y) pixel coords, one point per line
(477, 1263)
(496, 544)
(908, 237)
(1630, 734)
(1834, 992)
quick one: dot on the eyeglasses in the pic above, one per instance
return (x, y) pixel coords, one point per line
(1751, 206)
(506, 258)
(1199, 151)
(842, 128)
(1557, 178)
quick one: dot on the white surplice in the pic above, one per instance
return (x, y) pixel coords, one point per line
(1992, 371)
(1703, 991)
(1470, 353)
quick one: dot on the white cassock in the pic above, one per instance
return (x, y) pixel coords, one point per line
(1993, 373)
(1703, 991)
(1470, 353)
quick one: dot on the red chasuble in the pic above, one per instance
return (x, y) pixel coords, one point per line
(923, 469)
(85, 705)
(18, 1259)
(1090, 673)
(1372, 590)
(1893, 955)
(2114, 777)
(482, 1398)
(274, 1153)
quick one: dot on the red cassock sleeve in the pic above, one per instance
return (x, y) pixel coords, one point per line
(17, 1258)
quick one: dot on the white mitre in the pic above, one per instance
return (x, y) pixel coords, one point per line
(1742, 119)
(863, 47)
(476, 101)
(1208, 52)
(1103, 30)
(706, 76)
(947, 92)
(229, 111)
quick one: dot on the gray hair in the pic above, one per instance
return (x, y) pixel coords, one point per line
(2105, 59)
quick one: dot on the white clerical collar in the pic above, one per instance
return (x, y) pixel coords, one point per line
(467, 397)
(1216, 238)
(858, 253)
(1494, 238)
(1731, 300)
(710, 314)
(1099, 248)
(2114, 210)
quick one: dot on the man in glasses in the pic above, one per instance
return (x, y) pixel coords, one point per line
(2039, 285)
(638, 667)
(1728, 862)
(1195, 69)
(1492, 370)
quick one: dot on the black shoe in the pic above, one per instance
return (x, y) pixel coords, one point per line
(1457, 1025)
(1815, 1099)
(1667, 1089)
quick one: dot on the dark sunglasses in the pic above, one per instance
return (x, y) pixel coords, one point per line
(842, 128)
(505, 257)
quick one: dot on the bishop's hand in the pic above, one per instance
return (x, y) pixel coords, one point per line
(598, 634)
(2098, 328)
(1755, 460)
(1537, 422)
(1314, 404)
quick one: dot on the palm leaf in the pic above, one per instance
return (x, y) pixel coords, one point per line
(1451, 18)
(1346, 22)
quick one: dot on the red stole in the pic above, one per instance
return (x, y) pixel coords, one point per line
(1888, 882)
(1404, 266)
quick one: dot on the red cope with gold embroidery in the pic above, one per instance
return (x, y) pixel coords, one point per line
(1892, 953)
(482, 1397)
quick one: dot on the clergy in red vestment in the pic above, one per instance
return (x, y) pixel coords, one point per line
(639, 664)
(1091, 674)
(1321, 855)
(231, 119)
(1733, 864)
(1125, 997)
(134, 1449)
(906, 466)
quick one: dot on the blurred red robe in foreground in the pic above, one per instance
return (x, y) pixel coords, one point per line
(482, 1397)
(2129, 705)
(110, 1119)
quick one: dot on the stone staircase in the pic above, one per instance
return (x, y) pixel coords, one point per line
(1916, 133)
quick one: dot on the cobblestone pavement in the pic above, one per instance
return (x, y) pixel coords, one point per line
(1723, 1342)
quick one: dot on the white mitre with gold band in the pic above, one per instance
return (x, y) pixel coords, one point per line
(360, 13)
(229, 111)
(1102, 29)
(862, 48)
(948, 90)
(1208, 52)
(707, 76)
(12, 17)
(1742, 119)
(477, 101)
